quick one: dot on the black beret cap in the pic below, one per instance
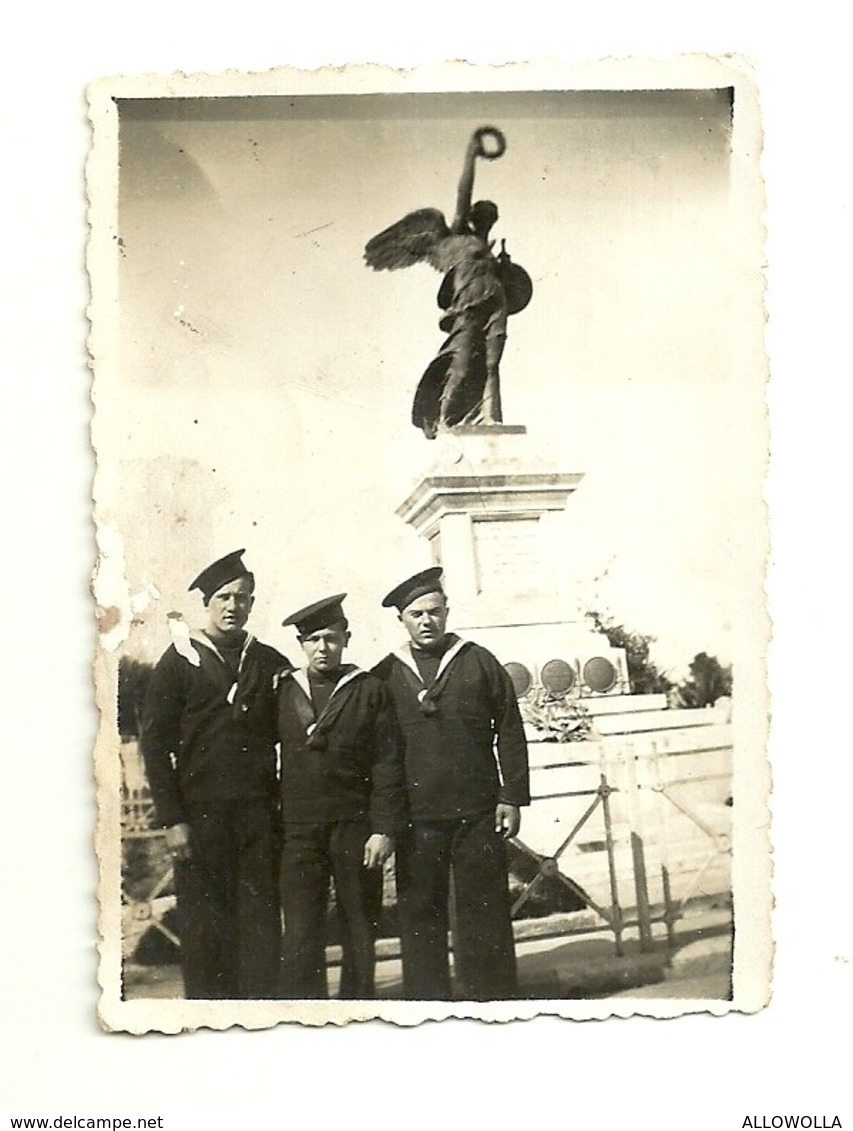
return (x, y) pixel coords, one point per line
(220, 573)
(402, 595)
(318, 615)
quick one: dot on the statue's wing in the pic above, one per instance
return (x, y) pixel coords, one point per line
(414, 239)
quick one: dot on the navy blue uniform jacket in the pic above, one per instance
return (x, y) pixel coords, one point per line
(465, 745)
(345, 763)
(206, 735)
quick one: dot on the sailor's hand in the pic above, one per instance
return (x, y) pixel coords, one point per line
(377, 849)
(178, 842)
(507, 820)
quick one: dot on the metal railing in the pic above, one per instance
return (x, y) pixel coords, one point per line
(638, 795)
(634, 775)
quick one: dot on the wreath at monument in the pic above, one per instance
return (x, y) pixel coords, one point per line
(555, 718)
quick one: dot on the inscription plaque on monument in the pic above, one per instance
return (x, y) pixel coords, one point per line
(508, 555)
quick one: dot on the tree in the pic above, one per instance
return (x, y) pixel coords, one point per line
(645, 676)
(709, 680)
(133, 678)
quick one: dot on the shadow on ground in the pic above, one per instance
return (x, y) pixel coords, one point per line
(559, 968)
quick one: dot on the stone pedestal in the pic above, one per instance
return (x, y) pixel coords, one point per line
(491, 509)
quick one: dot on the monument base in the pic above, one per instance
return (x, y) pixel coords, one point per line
(492, 510)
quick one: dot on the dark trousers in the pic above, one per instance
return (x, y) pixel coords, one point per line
(311, 856)
(228, 914)
(483, 944)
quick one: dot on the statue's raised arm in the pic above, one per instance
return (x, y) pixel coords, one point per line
(461, 385)
(464, 193)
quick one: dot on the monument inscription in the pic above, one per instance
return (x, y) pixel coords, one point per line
(508, 555)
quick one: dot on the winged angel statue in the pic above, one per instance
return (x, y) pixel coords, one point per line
(479, 290)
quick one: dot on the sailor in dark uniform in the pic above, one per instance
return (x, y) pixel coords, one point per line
(466, 775)
(208, 741)
(342, 802)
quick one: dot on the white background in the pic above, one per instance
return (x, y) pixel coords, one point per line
(694, 1072)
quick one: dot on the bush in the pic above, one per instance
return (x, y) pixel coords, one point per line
(709, 682)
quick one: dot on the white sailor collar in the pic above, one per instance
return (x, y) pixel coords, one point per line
(300, 677)
(404, 655)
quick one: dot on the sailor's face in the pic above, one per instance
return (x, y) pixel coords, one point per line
(229, 607)
(425, 620)
(324, 648)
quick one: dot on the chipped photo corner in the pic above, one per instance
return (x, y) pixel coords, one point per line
(430, 437)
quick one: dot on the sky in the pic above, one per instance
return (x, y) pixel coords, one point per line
(264, 375)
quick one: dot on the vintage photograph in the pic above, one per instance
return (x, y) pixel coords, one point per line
(430, 434)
